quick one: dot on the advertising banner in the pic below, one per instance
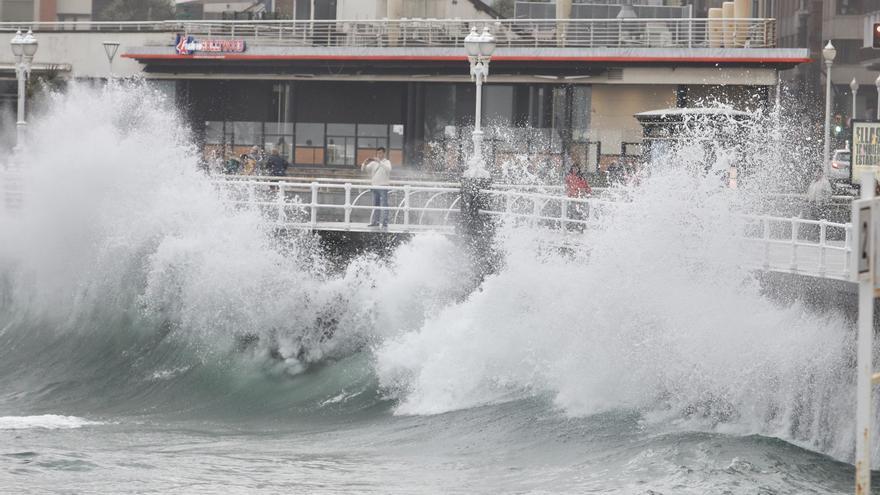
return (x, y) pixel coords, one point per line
(865, 149)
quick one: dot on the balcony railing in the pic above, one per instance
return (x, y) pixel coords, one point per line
(418, 33)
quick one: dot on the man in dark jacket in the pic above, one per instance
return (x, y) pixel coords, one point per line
(276, 165)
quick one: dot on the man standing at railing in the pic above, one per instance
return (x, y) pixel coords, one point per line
(379, 169)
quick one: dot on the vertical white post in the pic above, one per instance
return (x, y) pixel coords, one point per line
(828, 53)
(536, 212)
(314, 203)
(21, 124)
(347, 204)
(282, 215)
(794, 243)
(406, 193)
(823, 229)
(766, 235)
(564, 214)
(865, 344)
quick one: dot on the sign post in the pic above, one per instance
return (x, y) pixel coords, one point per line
(865, 212)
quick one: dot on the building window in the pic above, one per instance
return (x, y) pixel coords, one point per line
(341, 144)
(850, 7)
(309, 144)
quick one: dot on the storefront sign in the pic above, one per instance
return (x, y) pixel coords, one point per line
(187, 45)
(865, 149)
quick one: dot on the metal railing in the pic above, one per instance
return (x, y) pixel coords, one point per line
(416, 206)
(801, 246)
(345, 205)
(415, 33)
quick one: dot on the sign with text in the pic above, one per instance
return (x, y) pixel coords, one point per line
(188, 45)
(865, 149)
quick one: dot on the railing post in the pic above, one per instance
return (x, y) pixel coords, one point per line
(794, 246)
(406, 193)
(347, 205)
(766, 236)
(823, 227)
(282, 214)
(847, 240)
(252, 194)
(314, 205)
(536, 212)
(690, 32)
(564, 214)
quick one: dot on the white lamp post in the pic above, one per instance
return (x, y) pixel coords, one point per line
(828, 53)
(854, 86)
(24, 48)
(877, 85)
(479, 49)
(110, 48)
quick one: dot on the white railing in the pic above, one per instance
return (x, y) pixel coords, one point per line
(345, 206)
(414, 33)
(417, 206)
(783, 244)
(545, 209)
(796, 245)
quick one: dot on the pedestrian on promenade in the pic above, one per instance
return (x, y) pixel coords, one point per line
(231, 164)
(253, 161)
(276, 165)
(379, 169)
(576, 186)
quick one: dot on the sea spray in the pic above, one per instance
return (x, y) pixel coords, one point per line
(661, 317)
(126, 260)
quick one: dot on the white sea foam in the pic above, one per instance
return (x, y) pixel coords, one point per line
(660, 319)
(45, 422)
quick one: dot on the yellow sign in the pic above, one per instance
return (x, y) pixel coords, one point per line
(865, 149)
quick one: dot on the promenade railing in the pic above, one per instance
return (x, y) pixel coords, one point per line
(416, 33)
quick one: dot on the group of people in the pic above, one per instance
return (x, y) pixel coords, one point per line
(255, 162)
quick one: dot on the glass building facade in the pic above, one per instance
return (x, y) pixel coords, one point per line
(421, 124)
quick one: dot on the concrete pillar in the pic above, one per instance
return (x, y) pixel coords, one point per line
(563, 14)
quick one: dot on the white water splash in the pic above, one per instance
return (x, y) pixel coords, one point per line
(45, 422)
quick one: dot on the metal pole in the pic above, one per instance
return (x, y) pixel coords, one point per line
(827, 155)
(21, 125)
(854, 85)
(865, 365)
(877, 85)
(478, 132)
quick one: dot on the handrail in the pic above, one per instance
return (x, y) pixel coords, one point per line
(785, 244)
(745, 33)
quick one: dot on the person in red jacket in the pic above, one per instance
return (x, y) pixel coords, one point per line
(576, 186)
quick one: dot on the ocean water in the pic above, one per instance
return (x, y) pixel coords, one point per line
(154, 339)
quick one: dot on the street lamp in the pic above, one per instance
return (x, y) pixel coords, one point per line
(479, 48)
(23, 47)
(877, 84)
(110, 48)
(828, 53)
(854, 86)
